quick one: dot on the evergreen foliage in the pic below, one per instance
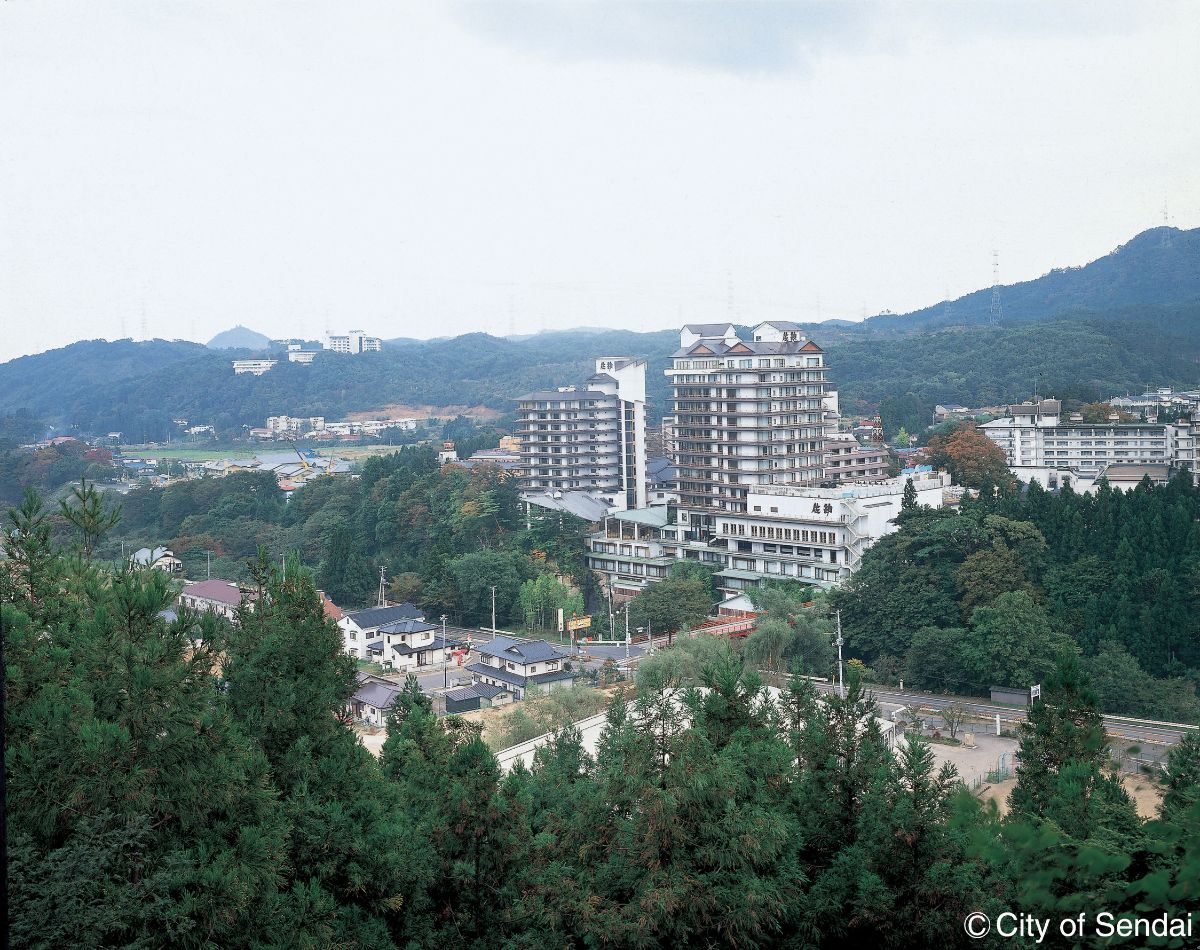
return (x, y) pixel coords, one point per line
(995, 593)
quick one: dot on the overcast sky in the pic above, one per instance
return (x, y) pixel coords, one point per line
(173, 169)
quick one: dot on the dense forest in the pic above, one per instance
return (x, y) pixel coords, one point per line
(444, 535)
(994, 593)
(191, 784)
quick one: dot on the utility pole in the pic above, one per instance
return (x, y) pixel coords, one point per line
(381, 575)
(627, 630)
(840, 641)
(209, 553)
(445, 657)
(493, 610)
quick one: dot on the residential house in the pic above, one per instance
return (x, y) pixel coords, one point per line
(372, 702)
(217, 596)
(407, 645)
(360, 626)
(521, 665)
(479, 696)
(160, 559)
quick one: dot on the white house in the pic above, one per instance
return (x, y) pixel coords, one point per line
(361, 626)
(160, 559)
(521, 665)
(407, 645)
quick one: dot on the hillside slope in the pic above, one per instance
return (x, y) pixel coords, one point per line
(1159, 267)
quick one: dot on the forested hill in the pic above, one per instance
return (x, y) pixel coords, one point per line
(1159, 267)
(50, 383)
(139, 387)
(1124, 322)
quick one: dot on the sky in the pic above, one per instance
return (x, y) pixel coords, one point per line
(415, 169)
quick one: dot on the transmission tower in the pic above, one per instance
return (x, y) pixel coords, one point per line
(1166, 235)
(997, 309)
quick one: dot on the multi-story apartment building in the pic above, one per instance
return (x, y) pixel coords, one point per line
(814, 535)
(588, 439)
(356, 341)
(747, 413)
(1039, 444)
(847, 460)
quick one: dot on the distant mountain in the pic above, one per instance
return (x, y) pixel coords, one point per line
(1159, 267)
(239, 338)
(1128, 320)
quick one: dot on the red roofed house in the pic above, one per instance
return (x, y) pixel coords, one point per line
(216, 595)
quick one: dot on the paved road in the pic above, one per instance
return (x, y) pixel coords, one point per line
(1118, 727)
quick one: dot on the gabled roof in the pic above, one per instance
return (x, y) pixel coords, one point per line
(701, 350)
(781, 325)
(520, 651)
(739, 347)
(379, 695)
(144, 557)
(708, 329)
(811, 347)
(216, 590)
(377, 616)
(332, 610)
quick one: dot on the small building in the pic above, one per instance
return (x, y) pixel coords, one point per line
(159, 559)
(254, 367)
(521, 665)
(372, 702)
(216, 596)
(478, 696)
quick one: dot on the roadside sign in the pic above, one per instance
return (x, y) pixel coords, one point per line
(1035, 692)
(579, 623)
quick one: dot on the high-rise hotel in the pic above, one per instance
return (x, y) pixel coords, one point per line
(750, 435)
(589, 439)
(747, 413)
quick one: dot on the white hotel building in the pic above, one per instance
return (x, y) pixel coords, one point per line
(356, 341)
(1040, 446)
(813, 535)
(750, 439)
(589, 439)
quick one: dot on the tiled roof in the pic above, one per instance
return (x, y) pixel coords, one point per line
(377, 616)
(408, 625)
(379, 695)
(520, 651)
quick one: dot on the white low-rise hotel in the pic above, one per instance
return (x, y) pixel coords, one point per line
(1042, 446)
(813, 535)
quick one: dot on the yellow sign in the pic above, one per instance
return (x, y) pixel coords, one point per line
(579, 623)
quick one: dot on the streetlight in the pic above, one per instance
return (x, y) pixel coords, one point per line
(627, 630)
(445, 660)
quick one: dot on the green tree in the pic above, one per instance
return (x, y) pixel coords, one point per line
(90, 515)
(670, 605)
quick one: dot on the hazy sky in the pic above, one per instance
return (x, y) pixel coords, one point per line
(172, 169)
